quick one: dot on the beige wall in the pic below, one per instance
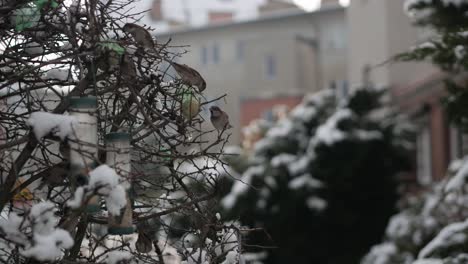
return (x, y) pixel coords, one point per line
(301, 66)
(378, 30)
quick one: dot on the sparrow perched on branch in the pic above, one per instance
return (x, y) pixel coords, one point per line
(64, 149)
(127, 68)
(219, 118)
(54, 176)
(141, 36)
(143, 243)
(189, 76)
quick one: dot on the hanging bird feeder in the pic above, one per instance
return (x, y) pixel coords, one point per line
(118, 157)
(26, 17)
(83, 143)
(29, 15)
(190, 104)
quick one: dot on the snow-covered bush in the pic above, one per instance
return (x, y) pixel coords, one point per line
(432, 228)
(322, 180)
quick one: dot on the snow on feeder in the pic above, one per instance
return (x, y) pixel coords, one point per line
(118, 157)
(83, 143)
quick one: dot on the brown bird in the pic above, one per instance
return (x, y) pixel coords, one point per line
(127, 68)
(141, 36)
(143, 243)
(219, 118)
(64, 149)
(189, 76)
(54, 176)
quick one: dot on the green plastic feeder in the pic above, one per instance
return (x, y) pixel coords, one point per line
(83, 102)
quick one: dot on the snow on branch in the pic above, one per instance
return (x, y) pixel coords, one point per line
(45, 242)
(44, 123)
(103, 181)
(116, 257)
(457, 182)
(451, 235)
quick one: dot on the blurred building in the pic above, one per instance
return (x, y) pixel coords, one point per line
(275, 52)
(167, 15)
(273, 59)
(379, 30)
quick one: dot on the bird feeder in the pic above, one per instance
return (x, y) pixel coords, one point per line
(118, 157)
(190, 104)
(83, 143)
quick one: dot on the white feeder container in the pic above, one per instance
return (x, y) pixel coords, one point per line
(83, 143)
(118, 157)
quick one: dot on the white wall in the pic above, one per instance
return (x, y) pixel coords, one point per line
(379, 30)
(197, 10)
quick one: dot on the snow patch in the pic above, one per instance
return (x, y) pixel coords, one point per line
(116, 200)
(77, 199)
(282, 129)
(282, 159)
(316, 203)
(460, 52)
(114, 257)
(305, 181)
(47, 242)
(44, 123)
(428, 261)
(456, 182)
(48, 247)
(104, 181)
(11, 227)
(450, 235)
(329, 133)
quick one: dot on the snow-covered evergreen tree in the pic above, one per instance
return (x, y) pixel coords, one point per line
(446, 20)
(322, 182)
(434, 228)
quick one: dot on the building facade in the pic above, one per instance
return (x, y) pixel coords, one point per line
(281, 55)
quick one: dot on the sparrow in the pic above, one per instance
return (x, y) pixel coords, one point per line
(127, 68)
(189, 76)
(141, 36)
(108, 60)
(143, 243)
(64, 149)
(219, 118)
(54, 176)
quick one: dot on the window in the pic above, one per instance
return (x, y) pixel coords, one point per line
(240, 50)
(216, 53)
(341, 90)
(458, 143)
(270, 67)
(204, 55)
(423, 156)
(335, 38)
(268, 115)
